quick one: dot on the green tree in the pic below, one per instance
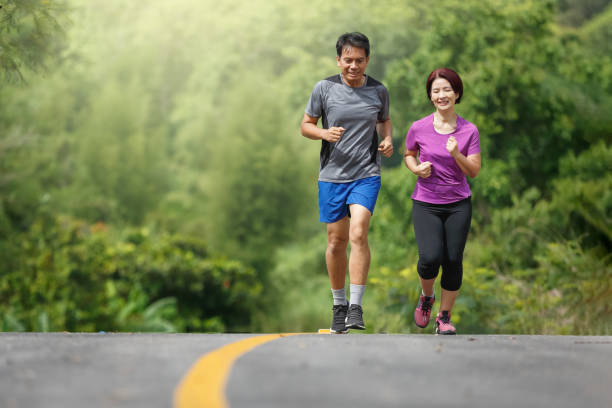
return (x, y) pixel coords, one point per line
(31, 31)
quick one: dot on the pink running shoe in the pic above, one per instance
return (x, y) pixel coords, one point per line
(443, 324)
(422, 312)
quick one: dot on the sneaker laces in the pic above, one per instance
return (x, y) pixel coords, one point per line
(338, 317)
(426, 306)
(355, 312)
(444, 318)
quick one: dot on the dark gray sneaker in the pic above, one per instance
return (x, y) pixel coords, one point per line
(339, 319)
(355, 318)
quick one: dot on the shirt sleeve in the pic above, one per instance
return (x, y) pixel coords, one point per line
(383, 114)
(315, 106)
(411, 143)
(474, 146)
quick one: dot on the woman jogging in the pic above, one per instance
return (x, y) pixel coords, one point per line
(448, 149)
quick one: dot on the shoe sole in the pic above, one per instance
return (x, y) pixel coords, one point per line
(332, 331)
(445, 333)
(355, 326)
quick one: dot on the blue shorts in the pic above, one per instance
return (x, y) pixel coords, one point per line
(334, 198)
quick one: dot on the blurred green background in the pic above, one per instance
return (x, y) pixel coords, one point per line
(153, 177)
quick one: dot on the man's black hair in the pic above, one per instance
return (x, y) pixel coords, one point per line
(355, 39)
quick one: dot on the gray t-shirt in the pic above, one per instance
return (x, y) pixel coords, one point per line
(357, 110)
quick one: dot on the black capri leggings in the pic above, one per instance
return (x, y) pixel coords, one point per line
(441, 231)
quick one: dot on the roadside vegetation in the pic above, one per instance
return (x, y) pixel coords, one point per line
(153, 178)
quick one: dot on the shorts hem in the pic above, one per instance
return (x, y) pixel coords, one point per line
(371, 210)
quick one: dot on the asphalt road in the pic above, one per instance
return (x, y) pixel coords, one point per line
(142, 370)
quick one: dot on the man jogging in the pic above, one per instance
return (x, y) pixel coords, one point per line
(354, 108)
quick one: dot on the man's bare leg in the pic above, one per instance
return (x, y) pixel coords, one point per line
(359, 260)
(335, 255)
(359, 263)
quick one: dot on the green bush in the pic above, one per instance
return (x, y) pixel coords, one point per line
(80, 277)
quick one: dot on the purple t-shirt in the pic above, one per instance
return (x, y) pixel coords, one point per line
(447, 183)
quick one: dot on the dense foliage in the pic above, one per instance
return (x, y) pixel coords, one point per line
(30, 32)
(152, 175)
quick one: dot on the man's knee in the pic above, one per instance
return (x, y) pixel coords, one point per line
(358, 235)
(337, 244)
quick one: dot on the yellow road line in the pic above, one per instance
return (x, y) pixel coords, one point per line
(204, 384)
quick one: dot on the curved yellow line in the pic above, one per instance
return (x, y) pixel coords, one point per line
(204, 383)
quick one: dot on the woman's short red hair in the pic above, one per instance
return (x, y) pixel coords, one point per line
(451, 76)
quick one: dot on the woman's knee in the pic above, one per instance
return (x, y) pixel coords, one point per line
(454, 260)
(428, 271)
(429, 265)
(452, 275)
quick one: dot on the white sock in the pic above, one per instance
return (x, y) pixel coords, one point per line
(357, 294)
(339, 296)
(432, 295)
